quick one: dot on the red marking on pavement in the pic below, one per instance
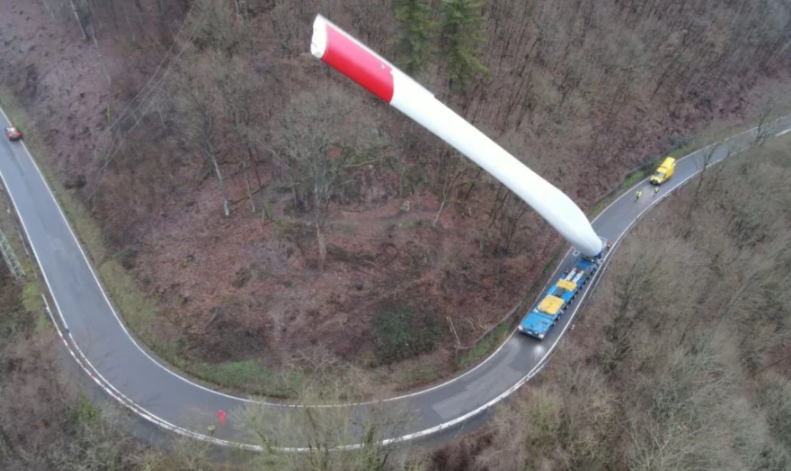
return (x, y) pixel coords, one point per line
(358, 64)
(221, 415)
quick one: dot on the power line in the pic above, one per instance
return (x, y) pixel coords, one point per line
(150, 88)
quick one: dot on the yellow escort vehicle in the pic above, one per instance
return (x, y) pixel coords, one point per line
(664, 172)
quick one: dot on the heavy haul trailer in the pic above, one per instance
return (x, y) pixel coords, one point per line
(543, 316)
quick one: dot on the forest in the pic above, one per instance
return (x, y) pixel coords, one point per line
(250, 210)
(681, 361)
(222, 181)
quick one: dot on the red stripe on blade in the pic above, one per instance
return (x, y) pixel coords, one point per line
(358, 64)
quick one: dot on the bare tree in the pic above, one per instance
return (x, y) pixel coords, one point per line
(197, 103)
(79, 9)
(321, 430)
(452, 171)
(399, 165)
(506, 212)
(319, 142)
(641, 279)
(713, 142)
(514, 212)
(773, 102)
(238, 90)
(221, 30)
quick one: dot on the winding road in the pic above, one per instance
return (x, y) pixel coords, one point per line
(97, 339)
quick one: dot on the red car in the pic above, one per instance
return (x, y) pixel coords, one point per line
(13, 134)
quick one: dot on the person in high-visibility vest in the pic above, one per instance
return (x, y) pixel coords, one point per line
(639, 194)
(656, 189)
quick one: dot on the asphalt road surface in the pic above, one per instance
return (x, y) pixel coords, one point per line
(98, 341)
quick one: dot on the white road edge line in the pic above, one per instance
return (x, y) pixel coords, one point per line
(161, 422)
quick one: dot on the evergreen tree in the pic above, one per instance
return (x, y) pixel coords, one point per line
(417, 29)
(462, 36)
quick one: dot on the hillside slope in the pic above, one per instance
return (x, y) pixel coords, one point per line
(683, 358)
(238, 117)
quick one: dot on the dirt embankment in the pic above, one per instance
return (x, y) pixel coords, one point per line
(239, 288)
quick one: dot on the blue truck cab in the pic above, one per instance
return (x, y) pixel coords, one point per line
(543, 316)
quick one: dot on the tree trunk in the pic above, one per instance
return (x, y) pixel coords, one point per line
(264, 215)
(113, 13)
(243, 161)
(79, 21)
(297, 203)
(101, 57)
(46, 5)
(140, 12)
(239, 8)
(475, 179)
(247, 186)
(126, 13)
(322, 244)
(439, 213)
(225, 203)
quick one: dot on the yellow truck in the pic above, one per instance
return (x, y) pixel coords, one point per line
(664, 172)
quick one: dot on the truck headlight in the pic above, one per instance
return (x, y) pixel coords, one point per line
(521, 329)
(541, 336)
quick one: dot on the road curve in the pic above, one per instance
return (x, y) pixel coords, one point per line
(99, 342)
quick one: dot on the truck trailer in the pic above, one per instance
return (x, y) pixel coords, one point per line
(560, 295)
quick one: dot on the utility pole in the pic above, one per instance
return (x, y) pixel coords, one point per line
(10, 258)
